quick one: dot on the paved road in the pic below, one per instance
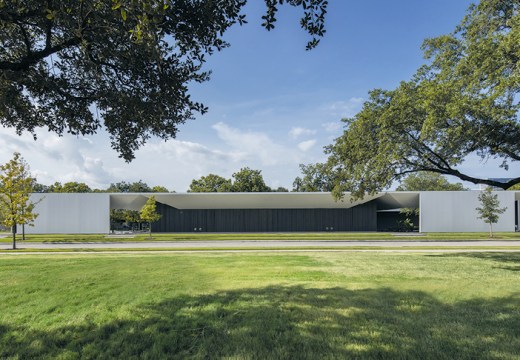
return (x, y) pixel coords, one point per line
(258, 244)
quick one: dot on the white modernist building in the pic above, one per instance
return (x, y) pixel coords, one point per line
(439, 211)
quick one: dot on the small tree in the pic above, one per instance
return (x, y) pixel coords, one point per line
(490, 210)
(149, 213)
(133, 217)
(15, 189)
(407, 224)
(28, 182)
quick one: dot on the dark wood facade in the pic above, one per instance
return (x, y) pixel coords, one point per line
(359, 218)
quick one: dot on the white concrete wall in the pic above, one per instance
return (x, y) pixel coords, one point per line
(454, 211)
(71, 214)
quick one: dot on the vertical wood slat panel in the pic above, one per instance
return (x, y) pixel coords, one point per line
(359, 218)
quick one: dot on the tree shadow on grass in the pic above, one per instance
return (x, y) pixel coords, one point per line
(286, 322)
(505, 260)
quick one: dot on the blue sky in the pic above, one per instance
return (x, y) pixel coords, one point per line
(272, 105)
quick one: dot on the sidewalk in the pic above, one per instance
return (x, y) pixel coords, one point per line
(264, 244)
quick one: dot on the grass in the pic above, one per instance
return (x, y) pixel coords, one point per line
(261, 306)
(265, 249)
(265, 236)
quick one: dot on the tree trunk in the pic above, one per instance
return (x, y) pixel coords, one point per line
(490, 230)
(150, 229)
(14, 237)
(23, 231)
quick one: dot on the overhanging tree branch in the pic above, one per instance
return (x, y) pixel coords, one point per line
(462, 102)
(34, 57)
(158, 51)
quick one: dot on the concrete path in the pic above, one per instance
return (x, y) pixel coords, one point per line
(278, 251)
(251, 244)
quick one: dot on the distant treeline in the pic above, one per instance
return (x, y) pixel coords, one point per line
(315, 178)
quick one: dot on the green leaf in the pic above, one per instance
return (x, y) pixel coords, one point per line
(51, 14)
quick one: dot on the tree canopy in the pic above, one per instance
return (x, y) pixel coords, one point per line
(210, 183)
(280, 189)
(515, 187)
(57, 187)
(463, 102)
(249, 180)
(77, 187)
(136, 186)
(316, 177)
(244, 180)
(428, 181)
(77, 65)
(123, 186)
(159, 189)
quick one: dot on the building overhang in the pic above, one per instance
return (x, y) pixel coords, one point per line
(398, 199)
(289, 200)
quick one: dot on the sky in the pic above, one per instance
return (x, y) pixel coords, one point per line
(272, 105)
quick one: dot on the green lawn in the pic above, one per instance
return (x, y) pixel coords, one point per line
(264, 306)
(266, 236)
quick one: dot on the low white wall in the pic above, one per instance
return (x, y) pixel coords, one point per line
(454, 211)
(71, 214)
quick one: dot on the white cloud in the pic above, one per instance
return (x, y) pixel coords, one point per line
(306, 145)
(53, 158)
(296, 132)
(90, 171)
(332, 127)
(255, 146)
(172, 163)
(175, 163)
(344, 109)
(191, 152)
